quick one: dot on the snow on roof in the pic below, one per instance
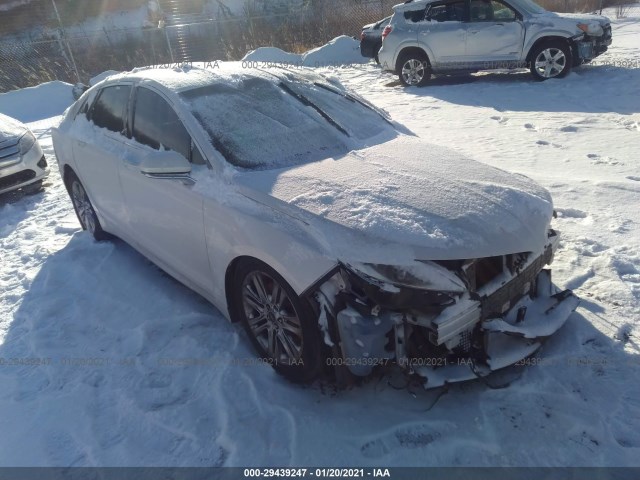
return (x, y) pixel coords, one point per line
(188, 77)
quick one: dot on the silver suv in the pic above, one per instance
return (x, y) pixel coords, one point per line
(449, 36)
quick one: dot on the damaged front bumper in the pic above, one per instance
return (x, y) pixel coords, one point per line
(588, 47)
(486, 329)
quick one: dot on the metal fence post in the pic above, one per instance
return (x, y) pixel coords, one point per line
(64, 38)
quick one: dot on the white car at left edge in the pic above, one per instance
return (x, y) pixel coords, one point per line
(22, 161)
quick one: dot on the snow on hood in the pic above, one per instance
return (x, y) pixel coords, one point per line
(422, 201)
(10, 129)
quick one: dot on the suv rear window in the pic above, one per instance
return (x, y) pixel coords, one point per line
(415, 15)
(110, 107)
(447, 12)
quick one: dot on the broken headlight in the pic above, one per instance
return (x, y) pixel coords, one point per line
(593, 29)
(403, 288)
(419, 275)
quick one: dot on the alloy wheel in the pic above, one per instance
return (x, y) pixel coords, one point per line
(551, 62)
(413, 71)
(272, 318)
(83, 207)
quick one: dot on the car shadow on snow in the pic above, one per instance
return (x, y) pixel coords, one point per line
(581, 91)
(129, 367)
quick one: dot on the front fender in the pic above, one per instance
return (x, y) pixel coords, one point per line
(244, 228)
(533, 35)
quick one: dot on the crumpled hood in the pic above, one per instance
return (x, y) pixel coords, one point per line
(409, 194)
(10, 129)
(578, 17)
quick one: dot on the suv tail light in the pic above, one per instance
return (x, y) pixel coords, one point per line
(387, 30)
(362, 36)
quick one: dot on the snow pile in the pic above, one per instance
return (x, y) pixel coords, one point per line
(273, 54)
(44, 101)
(338, 52)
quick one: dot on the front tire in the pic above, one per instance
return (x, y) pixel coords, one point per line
(551, 60)
(414, 69)
(281, 326)
(84, 209)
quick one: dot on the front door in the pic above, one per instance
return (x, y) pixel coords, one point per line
(495, 34)
(165, 215)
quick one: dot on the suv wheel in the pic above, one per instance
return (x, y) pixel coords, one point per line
(280, 324)
(551, 60)
(414, 69)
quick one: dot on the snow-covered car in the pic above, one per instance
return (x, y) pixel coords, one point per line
(22, 162)
(449, 36)
(333, 234)
(371, 38)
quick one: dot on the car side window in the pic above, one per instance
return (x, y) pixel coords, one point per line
(503, 12)
(491, 11)
(415, 16)
(446, 12)
(157, 125)
(110, 108)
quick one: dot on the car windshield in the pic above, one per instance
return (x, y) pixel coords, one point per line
(270, 121)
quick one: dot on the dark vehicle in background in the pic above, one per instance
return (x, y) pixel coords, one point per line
(371, 38)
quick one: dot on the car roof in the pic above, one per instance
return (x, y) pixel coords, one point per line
(179, 79)
(412, 5)
(186, 77)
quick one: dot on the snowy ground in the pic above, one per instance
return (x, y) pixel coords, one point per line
(143, 401)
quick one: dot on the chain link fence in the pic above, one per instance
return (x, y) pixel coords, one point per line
(43, 40)
(70, 40)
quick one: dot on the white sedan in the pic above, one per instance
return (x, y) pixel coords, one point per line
(334, 235)
(22, 163)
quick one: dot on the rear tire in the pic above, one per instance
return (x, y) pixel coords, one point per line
(84, 209)
(281, 325)
(414, 69)
(551, 59)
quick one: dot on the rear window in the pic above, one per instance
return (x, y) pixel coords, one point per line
(272, 121)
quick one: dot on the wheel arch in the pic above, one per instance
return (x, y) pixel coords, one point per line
(68, 172)
(411, 50)
(301, 289)
(228, 285)
(550, 38)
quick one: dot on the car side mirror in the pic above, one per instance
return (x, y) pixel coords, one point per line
(157, 164)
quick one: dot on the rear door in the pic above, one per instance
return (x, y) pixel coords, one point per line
(495, 34)
(443, 32)
(165, 216)
(97, 146)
